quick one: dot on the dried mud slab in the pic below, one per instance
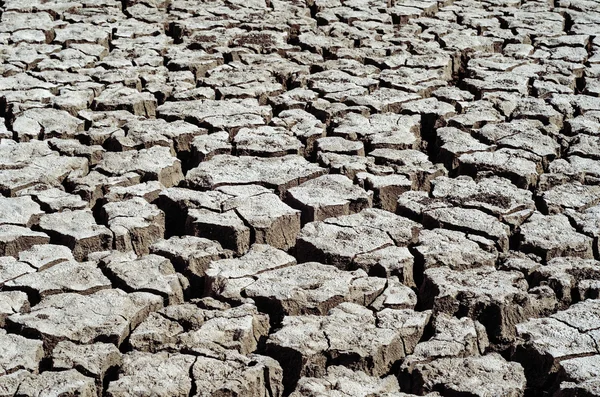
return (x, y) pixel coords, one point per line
(350, 335)
(109, 315)
(154, 164)
(476, 376)
(135, 224)
(202, 327)
(338, 240)
(551, 236)
(499, 299)
(280, 173)
(77, 230)
(342, 380)
(311, 288)
(328, 196)
(564, 335)
(227, 278)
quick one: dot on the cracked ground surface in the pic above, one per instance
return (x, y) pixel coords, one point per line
(268, 198)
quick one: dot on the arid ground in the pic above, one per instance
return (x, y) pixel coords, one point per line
(267, 198)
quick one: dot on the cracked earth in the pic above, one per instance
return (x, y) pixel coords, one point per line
(267, 198)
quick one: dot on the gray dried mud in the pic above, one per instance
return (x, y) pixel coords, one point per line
(272, 198)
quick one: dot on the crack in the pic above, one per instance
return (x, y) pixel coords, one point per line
(3, 283)
(404, 346)
(194, 386)
(367, 304)
(577, 329)
(328, 341)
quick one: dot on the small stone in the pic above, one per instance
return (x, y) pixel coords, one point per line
(566, 275)
(265, 141)
(451, 143)
(149, 191)
(579, 376)
(254, 375)
(510, 82)
(190, 255)
(386, 188)
(386, 130)
(388, 262)
(350, 335)
(587, 222)
(395, 296)
(176, 203)
(494, 195)
(44, 256)
(411, 163)
(205, 147)
(52, 199)
(82, 33)
(306, 127)
(177, 135)
(383, 99)
(522, 172)
(190, 328)
(538, 109)
(339, 145)
(228, 115)
(411, 204)
(453, 95)
(452, 337)
(344, 164)
(12, 302)
(432, 111)
(342, 380)
(543, 343)
(337, 85)
(9, 384)
(522, 134)
(11, 269)
(74, 148)
(45, 124)
(478, 291)
(272, 221)
(570, 196)
(93, 186)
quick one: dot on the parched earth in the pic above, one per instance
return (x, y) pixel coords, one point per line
(267, 198)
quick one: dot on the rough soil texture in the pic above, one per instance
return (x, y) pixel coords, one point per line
(269, 198)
